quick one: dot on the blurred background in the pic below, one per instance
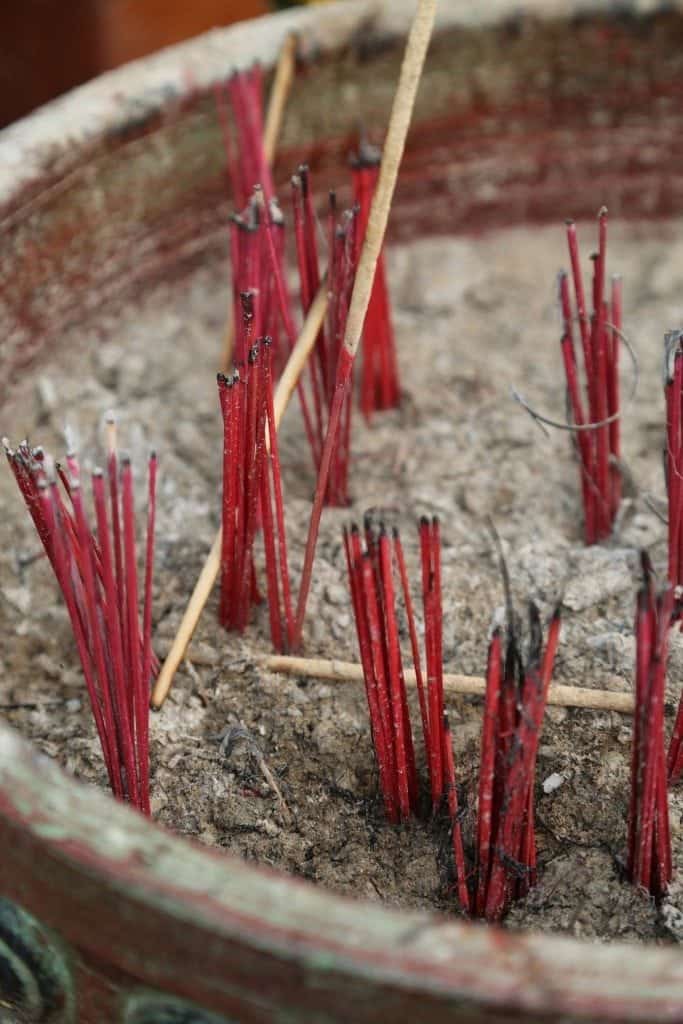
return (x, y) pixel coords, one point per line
(50, 46)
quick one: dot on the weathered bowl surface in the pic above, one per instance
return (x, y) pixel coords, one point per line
(104, 917)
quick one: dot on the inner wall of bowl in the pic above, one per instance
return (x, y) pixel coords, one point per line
(520, 122)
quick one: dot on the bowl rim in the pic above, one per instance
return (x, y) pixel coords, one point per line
(307, 930)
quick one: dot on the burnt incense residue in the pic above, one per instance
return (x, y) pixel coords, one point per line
(515, 702)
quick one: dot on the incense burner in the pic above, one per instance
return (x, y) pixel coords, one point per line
(104, 917)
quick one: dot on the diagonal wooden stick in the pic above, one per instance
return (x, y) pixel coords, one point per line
(279, 94)
(392, 154)
(349, 671)
(209, 573)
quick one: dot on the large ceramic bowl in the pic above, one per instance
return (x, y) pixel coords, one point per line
(103, 916)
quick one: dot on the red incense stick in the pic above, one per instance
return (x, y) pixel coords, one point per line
(596, 420)
(379, 387)
(649, 841)
(97, 574)
(252, 498)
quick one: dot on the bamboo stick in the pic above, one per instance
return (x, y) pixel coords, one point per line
(279, 94)
(475, 686)
(207, 577)
(392, 154)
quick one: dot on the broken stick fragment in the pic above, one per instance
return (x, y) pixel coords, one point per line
(474, 686)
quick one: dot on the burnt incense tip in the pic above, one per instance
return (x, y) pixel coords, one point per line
(277, 217)
(569, 222)
(354, 529)
(435, 520)
(153, 455)
(395, 533)
(645, 564)
(366, 156)
(602, 212)
(97, 473)
(424, 521)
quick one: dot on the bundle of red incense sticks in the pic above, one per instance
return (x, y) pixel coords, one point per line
(595, 416)
(97, 574)
(252, 491)
(379, 386)
(257, 257)
(372, 575)
(258, 285)
(649, 840)
(342, 244)
(673, 455)
(242, 94)
(516, 697)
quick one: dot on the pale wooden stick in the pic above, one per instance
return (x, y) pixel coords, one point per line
(279, 94)
(289, 378)
(475, 686)
(207, 577)
(392, 153)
